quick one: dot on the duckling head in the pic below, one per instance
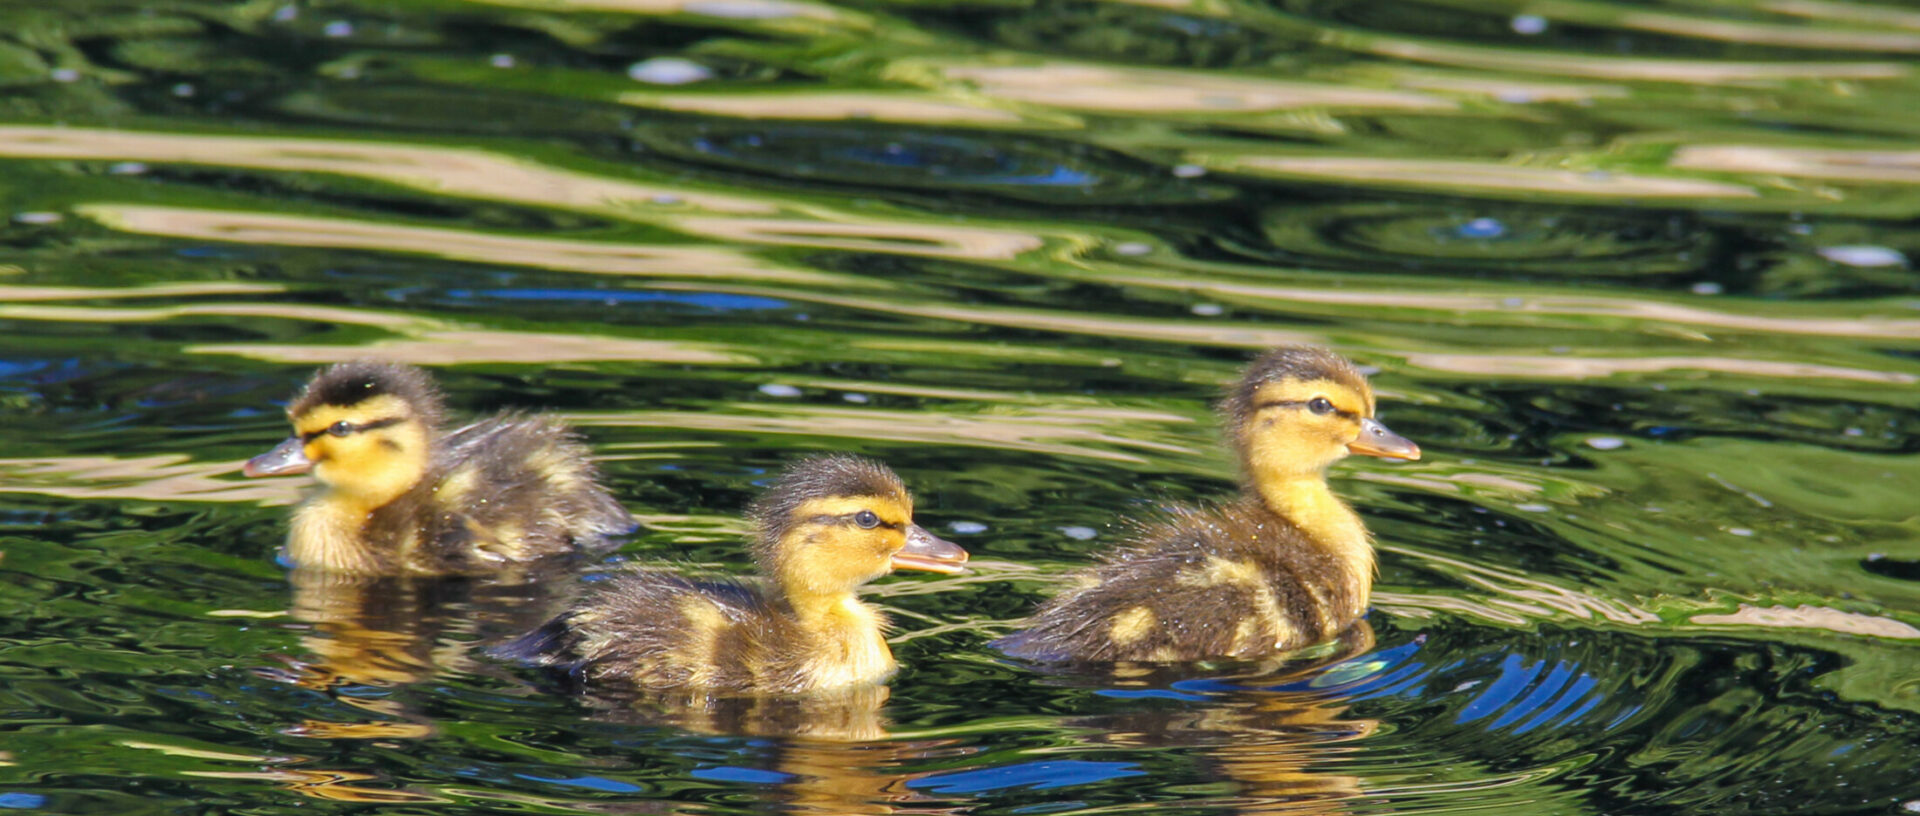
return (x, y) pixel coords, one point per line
(832, 523)
(362, 429)
(1297, 410)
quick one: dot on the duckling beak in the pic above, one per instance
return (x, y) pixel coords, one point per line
(285, 459)
(928, 552)
(1376, 440)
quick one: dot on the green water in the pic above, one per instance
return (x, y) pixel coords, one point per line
(1637, 277)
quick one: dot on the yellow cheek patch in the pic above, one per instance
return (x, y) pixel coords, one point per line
(895, 511)
(322, 417)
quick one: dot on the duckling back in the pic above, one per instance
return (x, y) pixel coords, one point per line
(1236, 581)
(654, 631)
(504, 490)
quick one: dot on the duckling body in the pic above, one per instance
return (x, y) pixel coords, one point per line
(826, 527)
(399, 497)
(1284, 566)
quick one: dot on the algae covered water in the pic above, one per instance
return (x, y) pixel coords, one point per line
(1636, 277)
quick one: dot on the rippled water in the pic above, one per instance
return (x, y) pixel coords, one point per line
(1638, 278)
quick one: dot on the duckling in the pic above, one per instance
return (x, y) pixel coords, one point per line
(827, 526)
(400, 497)
(1285, 566)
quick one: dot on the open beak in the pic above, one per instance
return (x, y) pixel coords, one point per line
(286, 458)
(926, 551)
(1376, 440)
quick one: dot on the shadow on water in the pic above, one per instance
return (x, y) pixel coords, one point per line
(1638, 277)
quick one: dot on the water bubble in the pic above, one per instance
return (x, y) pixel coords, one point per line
(1131, 248)
(1079, 533)
(1483, 228)
(1863, 255)
(338, 28)
(1208, 309)
(668, 71)
(1532, 507)
(501, 61)
(779, 390)
(1188, 171)
(856, 398)
(286, 14)
(1606, 443)
(127, 168)
(1529, 24)
(64, 75)
(184, 89)
(665, 199)
(38, 218)
(1739, 531)
(1515, 96)
(967, 527)
(1707, 288)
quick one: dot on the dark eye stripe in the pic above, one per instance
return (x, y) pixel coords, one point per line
(1337, 411)
(848, 520)
(370, 426)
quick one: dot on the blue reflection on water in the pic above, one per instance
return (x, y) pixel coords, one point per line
(1045, 775)
(733, 773)
(717, 301)
(588, 782)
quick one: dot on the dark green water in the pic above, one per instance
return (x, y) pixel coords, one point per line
(1637, 277)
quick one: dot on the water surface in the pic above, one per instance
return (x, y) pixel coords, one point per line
(1637, 277)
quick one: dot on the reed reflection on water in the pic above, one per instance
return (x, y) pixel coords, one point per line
(1638, 278)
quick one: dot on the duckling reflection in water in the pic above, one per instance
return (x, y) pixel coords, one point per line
(390, 631)
(1266, 732)
(400, 497)
(825, 527)
(1285, 566)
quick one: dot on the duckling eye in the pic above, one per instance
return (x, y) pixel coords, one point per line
(866, 519)
(1320, 405)
(341, 428)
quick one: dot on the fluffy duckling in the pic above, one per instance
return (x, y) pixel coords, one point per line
(825, 527)
(400, 497)
(1285, 566)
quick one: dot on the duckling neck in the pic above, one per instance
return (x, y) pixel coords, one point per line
(845, 644)
(1309, 503)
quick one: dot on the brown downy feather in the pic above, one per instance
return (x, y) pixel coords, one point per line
(401, 497)
(799, 628)
(1234, 581)
(1285, 566)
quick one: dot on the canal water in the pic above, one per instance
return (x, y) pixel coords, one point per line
(1638, 278)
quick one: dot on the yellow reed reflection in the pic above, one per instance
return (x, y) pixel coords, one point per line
(914, 107)
(1477, 176)
(593, 257)
(1113, 89)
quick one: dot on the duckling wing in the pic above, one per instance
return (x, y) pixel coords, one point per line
(658, 630)
(1228, 582)
(515, 488)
